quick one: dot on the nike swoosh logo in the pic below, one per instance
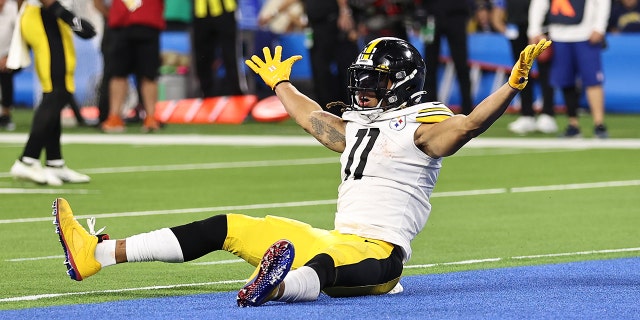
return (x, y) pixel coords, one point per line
(365, 240)
(77, 25)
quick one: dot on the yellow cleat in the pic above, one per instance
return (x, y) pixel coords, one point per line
(79, 245)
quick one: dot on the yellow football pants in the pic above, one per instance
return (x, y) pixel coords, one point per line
(249, 238)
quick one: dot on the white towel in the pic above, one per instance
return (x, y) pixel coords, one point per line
(18, 50)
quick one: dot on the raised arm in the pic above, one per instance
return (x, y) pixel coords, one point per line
(324, 126)
(447, 137)
(79, 26)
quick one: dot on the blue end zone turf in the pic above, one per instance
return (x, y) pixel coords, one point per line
(605, 289)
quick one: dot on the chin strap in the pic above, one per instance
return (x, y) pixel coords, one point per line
(416, 98)
(337, 104)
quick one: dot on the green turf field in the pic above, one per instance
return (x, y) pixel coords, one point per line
(493, 207)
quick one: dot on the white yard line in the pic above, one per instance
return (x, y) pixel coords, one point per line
(183, 211)
(216, 165)
(544, 145)
(207, 166)
(260, 140)
(44, 191)
(56, 295)
(573, 186)
(531, 257)
(174, 139)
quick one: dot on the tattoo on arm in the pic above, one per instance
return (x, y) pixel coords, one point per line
(326, 133)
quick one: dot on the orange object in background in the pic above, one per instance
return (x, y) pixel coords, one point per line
(224, 109)
(269, 109)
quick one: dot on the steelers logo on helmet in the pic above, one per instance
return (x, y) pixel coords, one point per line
(391, 68)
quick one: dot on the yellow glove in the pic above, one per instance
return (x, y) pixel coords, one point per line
(272, 70)
(520, 72)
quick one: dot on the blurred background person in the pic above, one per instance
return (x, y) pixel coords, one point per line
(334, 44)
(511, 18)
(577, 29)
(278, 21)
(481, 19)
(8, 18)
(282, 16)
(331, 38)
(135, 28)
(102, 6)
(625, 16)
(46, 28)
(215, 33)
(106, 49)
(450, 19)
(178, 14)
(382, 18)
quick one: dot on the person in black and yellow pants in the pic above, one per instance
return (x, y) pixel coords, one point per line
(214, 27)
(46, 27)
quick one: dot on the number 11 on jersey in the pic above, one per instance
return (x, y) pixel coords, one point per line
(372, 135)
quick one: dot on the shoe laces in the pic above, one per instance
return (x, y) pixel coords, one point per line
(91, 223)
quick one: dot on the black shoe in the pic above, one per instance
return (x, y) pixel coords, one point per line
(600, 131)
(572, 132)
(6, 123)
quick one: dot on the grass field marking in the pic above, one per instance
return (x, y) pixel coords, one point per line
(216, 165)
(174, 139)
(554, 143)
(267, 163)
(468, 193)
(304, 140)
(261, 163)
(208, 166)
(532, 257)
(57, 295)
(590, 252)
(575, 186)
(45, 191)
(206, 263)
(35, 258)
(421, 266)
(183, 211)
(431, 265)
(578, 186)
(483, 152)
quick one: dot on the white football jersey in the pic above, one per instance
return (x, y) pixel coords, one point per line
(386, 179)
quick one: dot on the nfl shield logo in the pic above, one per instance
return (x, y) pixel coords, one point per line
(398, 123)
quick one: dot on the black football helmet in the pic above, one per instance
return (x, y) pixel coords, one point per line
(388, 59)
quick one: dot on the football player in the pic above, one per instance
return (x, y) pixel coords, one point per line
(392, 145)
(47, 27)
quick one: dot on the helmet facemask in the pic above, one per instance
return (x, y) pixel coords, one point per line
(363, 80)
(367, 79)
